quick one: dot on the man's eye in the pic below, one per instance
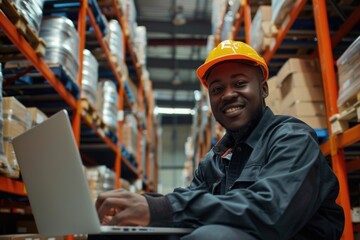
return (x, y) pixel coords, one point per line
(215, 90)
(240, 84)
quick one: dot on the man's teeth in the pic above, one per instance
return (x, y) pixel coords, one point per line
(232, 109)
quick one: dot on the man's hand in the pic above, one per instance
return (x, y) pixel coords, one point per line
(121, 207)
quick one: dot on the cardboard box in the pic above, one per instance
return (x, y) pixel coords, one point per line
(294, 65)
(12, 107)
(302, 94)
(302, 79)
(310, 109)
(314, 122)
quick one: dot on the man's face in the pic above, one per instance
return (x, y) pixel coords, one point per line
(236, 92)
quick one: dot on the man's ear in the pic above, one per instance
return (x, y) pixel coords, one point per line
(265, 89)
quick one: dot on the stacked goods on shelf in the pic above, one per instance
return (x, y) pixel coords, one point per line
(280, 9)
(217, 16)
(89, 77)
(100, 179)
(227, 25)
(129, 11)
(37, 116)
(349, 76)
(147, 85)
(116, 44)
(32, 11)
(301, 91)
(17, 120)
(62, 44)
(262, 31)
(3, 160)
(274, 97)
(133, 90)
(228, 22)
(130, 133)
(140, 44)
(349, 89)
(107, 103)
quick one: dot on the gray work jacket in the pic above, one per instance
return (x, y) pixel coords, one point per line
(282, 186)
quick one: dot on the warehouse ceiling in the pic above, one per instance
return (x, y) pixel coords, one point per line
(175, 51)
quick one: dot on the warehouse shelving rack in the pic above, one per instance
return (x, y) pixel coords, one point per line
(80, 118)
(327, 40)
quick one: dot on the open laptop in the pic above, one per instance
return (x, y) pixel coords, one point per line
(56, 184)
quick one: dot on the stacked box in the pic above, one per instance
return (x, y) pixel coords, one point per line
(349, 75)
(274, 97)
(129, 133)
(37, 116)
(301, 92)
(280, 9)
(261, 33)
(17, 120)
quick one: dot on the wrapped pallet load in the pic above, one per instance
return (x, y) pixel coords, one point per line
(280, 10)
(32, 10)
(62, 44)
(89, 77)
(262, 31)
(349, 76)
(107, 103)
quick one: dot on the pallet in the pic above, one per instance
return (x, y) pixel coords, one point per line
(341, 122)
(23, 27)
(93, 116)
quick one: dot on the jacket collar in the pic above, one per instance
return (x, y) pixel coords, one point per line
(225, 144)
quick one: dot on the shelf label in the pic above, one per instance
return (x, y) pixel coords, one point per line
(120, 115)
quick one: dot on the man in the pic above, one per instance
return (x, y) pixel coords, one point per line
(265, 179)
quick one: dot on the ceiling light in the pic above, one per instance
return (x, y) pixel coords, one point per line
(174, 111)
(179, 18)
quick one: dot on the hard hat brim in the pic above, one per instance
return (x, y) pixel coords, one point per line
(203, 69)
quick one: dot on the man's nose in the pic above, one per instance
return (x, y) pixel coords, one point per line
(229, 93)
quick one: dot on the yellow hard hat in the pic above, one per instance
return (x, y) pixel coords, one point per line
(231, 50)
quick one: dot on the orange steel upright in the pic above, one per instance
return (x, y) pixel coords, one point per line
(139, 153)
(331, 95)
(247, 21)
(119, 133)
(76, 121)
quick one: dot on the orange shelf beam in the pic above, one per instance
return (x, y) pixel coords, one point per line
(345, 139)
(298, 6)
(349, 137)
(12, 186)
(25, 48)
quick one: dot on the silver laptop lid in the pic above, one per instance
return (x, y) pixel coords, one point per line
(53, 174)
